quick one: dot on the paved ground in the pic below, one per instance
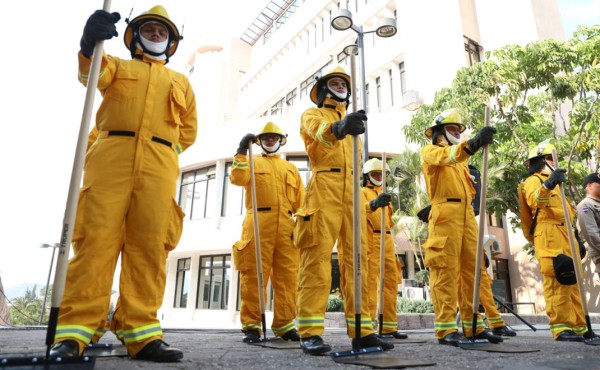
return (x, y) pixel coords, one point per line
(223, 349)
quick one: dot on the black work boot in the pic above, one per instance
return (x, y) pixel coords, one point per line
(590, 335)
(66, 348)
(504, 331)
(393, 335)
(291, 335)
(490, 337)
(569, 336)
(252, 336)
(452, 339)
(371, 340)
(159, 351)
(314, 345)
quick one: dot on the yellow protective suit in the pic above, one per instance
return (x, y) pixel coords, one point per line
(325, 217)
(392, 276)
(452, 242)
(279, 194)
(563, 304)
(486, 298)
(147, 116)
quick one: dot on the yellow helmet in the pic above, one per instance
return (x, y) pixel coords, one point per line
(449, 116)
(158, 14)
(542, 149)
(272, 128)
(374, 164)
(337, 71)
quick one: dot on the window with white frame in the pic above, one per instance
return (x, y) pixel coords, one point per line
(391, 86)
(182, 282)
(378, 92)
(291, 96)
(194, 195)
(402, 77)
(233, 195)
(214, 280)
(301, 162)
(473, 51)
(277, 108)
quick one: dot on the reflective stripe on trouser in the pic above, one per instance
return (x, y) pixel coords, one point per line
(390, 283)
(563, 305)
(80, 333)
(280, 260)
(316, 238)
(125, 196)
(487, 301)
(252, 326)
(467, 325)
(450, 256)
(283, 329)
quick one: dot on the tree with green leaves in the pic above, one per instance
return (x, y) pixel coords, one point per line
(25, 310)
(409, 197)
(544, 90)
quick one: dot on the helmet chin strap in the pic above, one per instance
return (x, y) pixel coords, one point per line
(548, 165)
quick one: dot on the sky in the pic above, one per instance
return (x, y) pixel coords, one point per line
(42, 104)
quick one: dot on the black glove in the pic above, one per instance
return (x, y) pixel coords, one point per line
(352, 124)
(485, 136)
(245, 143)
(557, 177)
(486, 260)
(382, 200)
(423, 214)
(99, 26)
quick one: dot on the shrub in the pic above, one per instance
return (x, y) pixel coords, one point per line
(335, 303)
(406, 305)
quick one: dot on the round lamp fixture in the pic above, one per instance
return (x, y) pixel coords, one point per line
(387, 28)
(341, 19)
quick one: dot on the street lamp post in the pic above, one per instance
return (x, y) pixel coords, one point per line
(341, 20)
(53, 246)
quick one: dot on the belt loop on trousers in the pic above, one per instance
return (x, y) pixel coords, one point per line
(132, 134)
(379, 231)
(162, 141)
(121, 133)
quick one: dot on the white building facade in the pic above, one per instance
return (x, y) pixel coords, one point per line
(266, 75)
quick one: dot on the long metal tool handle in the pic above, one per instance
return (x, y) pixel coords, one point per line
(383, 233)
(574, 250)
(356, 229)
(60, 275)
(514, 313)
(257, 249)
(481, 232)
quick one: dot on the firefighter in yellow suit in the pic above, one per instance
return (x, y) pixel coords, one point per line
(326, 215)
(451, 246)
(486, 298)
(127, 204)
(374, 199)
(552, 248)
(279, 194)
